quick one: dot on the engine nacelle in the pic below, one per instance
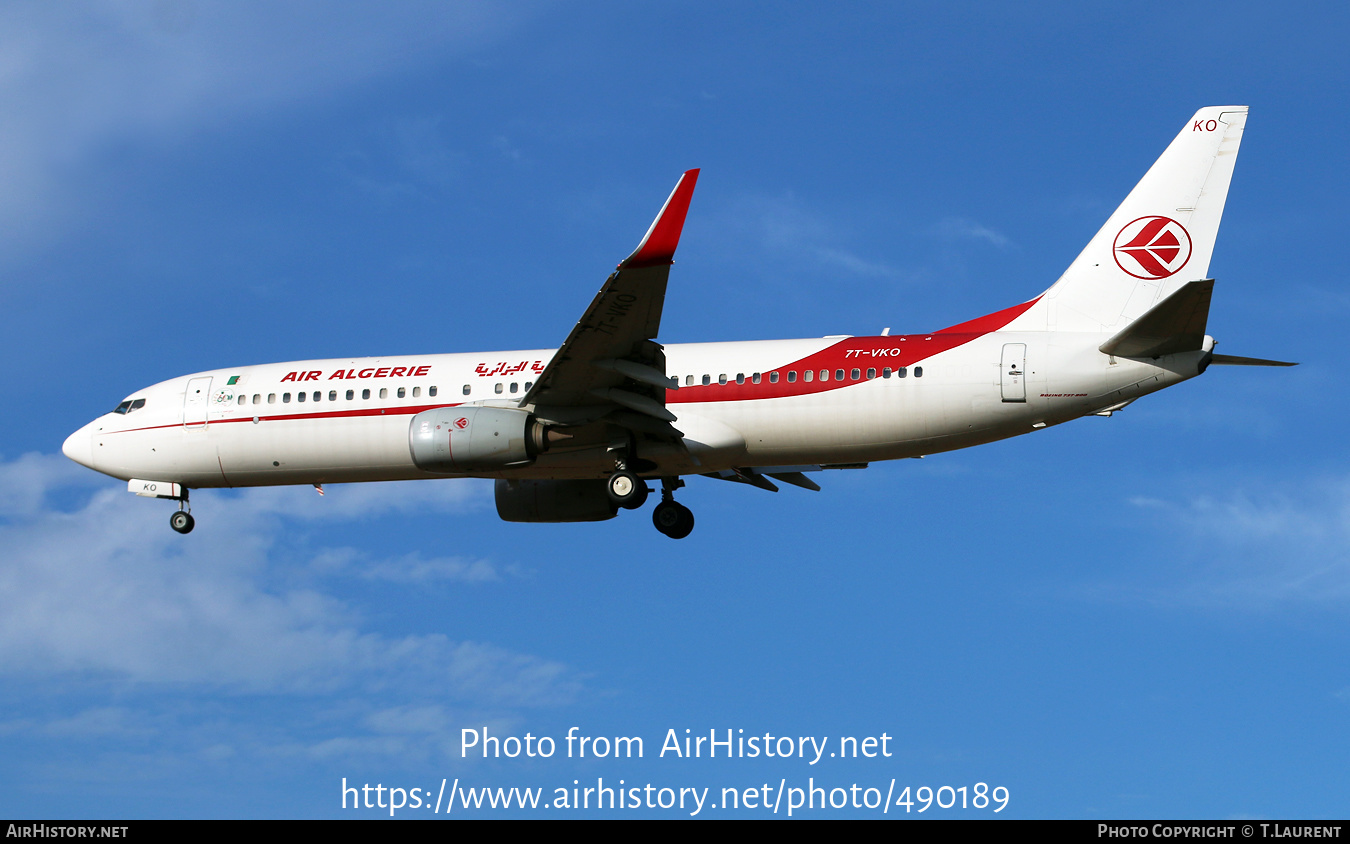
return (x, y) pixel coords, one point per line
(554, 501)
(473, 439)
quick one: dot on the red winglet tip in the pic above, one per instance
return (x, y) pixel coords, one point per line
(658, 246)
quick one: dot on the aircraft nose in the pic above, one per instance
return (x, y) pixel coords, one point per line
(79, 447)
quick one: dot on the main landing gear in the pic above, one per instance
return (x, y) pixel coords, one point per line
(182, 520)
(627, 490)
(630, 492)
(671, 517)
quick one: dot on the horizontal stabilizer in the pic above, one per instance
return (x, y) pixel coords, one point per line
(1234, 360)
(1174, 325)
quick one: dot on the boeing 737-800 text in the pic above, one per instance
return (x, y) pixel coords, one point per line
(576, 433)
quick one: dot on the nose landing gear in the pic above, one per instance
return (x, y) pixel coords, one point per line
(182, 520)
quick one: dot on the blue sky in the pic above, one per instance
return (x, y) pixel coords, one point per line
(1141, 616)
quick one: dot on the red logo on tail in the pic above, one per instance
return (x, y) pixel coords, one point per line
(1152, 247)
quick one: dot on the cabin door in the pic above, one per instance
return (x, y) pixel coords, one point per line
(1013, 378)
(194, 402)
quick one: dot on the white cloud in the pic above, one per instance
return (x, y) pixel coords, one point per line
(852, 263)
(786, 228)
(1264, 544)
(106, 590)
(76, 84)
(959, 228)
(25, 483)
(408, 569)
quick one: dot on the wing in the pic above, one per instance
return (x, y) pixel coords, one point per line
(610, 365)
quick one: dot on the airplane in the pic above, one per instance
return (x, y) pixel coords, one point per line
(581, 432)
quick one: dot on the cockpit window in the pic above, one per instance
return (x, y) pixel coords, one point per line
(129, 405)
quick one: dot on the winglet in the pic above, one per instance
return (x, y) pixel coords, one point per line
(658, 246)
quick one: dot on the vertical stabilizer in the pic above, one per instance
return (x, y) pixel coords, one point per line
(1160, 238)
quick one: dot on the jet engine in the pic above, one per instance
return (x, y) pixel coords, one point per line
(554, 501)
(473, 439)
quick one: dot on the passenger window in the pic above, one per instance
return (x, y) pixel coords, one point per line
(528, 385)
(332, 395)
(497, 388)
(299, 396)
(809, 375)
(257, 398)
(871, 373)
(468, 388)
(242, 398)
(365, 394)
(824, 375)
(707, 379)
(688, 380)
(351, 394)
(754, 379)
(271, 398)
(431, 391)
(514, 386)
(740, 377)
(886, 373)
(402, 392)
(722, 379)
(318, 396)
(853, 374)
(918, 372)
(384, 392)
(773, 377)
(839, 375)
(417, 391)
(792, 376)
(901, 372)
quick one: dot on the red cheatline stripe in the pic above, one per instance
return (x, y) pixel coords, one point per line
(334, 414)
(861, 353)
(868, 353)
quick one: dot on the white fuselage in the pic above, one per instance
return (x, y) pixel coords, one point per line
(575, 433)
(745, 404)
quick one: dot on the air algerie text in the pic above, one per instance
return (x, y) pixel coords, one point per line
(372, 372)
